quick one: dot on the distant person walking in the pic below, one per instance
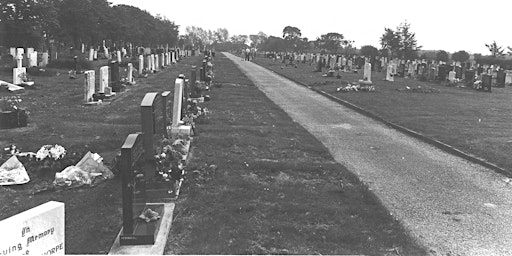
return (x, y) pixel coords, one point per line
(247, 54)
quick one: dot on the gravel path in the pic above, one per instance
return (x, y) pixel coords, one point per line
(450, 205)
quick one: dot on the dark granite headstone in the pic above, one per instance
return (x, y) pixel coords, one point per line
(469, 77)
(486, 82)
(135, 230)
(442, 72)
(115, 80)
(500, 79)
(195, 92)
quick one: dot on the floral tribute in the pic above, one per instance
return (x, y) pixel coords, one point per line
(171, 163)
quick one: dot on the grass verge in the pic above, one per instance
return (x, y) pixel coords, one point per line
(259, 183)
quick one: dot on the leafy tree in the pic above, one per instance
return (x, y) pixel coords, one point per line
(442, 56)
(496, 51)
(274, 44)
(369, 51)
(290, 32)
(239, 39)
(401, 42)
(222, 35)
(460, 56)
(330, 41)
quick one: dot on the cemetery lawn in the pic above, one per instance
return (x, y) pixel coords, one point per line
(93, 215)
(474, 122)
(259, 183)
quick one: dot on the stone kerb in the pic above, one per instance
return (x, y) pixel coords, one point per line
(38, 231)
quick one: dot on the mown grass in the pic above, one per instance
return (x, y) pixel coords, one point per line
(57, 116)
(259, 183)
(475, 122)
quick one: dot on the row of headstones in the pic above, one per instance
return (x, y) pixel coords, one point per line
(141, 146)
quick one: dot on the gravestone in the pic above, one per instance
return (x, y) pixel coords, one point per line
(451, 76)
(37, 231)
(157, 62)
(18, 71)
(115, 79)
(177, 127)
(441, 73)
(135, 230)
(44, 59)
(148, 63)
(486, 82)
(89, 85)
(194, 90)
(162, 59)
(469, 77)
(500, 78)
(83, 48)
(367, 74)
(389, 74)
(141, 64)
(103, 79)
(32, 59)
(119, 57)
(12, 51)
(95, 55)
(129, 76)
(153, 63)
(153, 126)
(508, 77)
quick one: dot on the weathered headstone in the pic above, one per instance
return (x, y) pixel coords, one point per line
(115, 78)
(32, 59)
(500, 78)
(95, 55)
(18, 72)
(37, 231)
(44, 59)
(141, 64)
(367, 74)
(469, 77)
(129, 76)
(486, 82)
(177, 127)
(508, 77)
(104, 79)
(162, 60)
(389, 74)
(89, 85)
(442, 72)
(156, 62)
(119, 56)
(12, 51)
(451, 76)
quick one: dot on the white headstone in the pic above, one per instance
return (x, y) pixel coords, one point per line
(451, 76)
(91, 54)
(20, 51)
(105, 49)
(141, 64)
(103, 79)
(162, 60)
(19, 71)
(38, 231)
(44, 59)
(83, 48)
(157, 62)
(148, 63)
(152, 59)
(12, 51)
(89, 85)
(123, 51)
(30, 51)
(130, 73)
(367, 73)
(508, 77)
(119, 59)
(95, 55)
(32, 59)
(178, 96)
(389, 74)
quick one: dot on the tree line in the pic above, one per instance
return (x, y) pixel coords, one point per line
(36, 23)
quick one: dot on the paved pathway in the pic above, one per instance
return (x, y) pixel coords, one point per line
(449, 204)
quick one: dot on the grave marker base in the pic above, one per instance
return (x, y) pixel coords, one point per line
(182, 130)
(160, 240)
(144, 233)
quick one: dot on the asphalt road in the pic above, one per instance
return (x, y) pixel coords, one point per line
(448, 204)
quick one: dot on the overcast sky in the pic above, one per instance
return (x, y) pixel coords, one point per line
(439, 24)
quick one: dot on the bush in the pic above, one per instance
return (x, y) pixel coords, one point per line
(70, 64)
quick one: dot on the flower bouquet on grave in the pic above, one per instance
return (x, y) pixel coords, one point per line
(12, 115)
(25, 80)
(171, 167)
(49, 157)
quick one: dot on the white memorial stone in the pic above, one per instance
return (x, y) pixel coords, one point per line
(141, 64)
(178, 97)
(508, 77)
(103, 79)
(83, 48)
(367, 72)
(157, 63)
(89, 85)
(152, 59)
(91, 54)
(130, 74)
(119, 59)
(38, 231)
(95, 55)
(12, 51)
(451, 76)
(162, 60)
(148, 63)
(44, 59)
(389, 73)
(19, 71)
(32, 59)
